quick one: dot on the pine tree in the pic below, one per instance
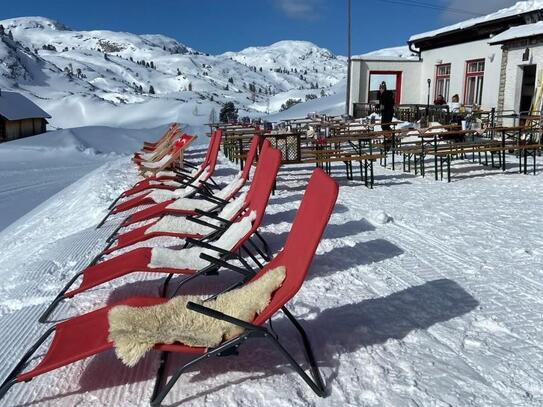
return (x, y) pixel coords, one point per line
(190, 86)
(212, 115)
(228, 113)
(151, 90)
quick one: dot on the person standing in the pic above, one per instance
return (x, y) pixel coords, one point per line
(386, 106)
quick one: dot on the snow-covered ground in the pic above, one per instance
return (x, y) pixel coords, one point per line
(422, 293)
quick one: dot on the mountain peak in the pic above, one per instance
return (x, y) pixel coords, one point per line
(42, 23)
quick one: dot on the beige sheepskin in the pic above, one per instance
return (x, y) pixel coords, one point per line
(135, 330)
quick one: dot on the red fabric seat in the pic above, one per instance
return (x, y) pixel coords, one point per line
(140, 234)
(133, 261)
(87, 335)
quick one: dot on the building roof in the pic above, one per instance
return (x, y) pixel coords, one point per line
(523, 31)
(520, 7)
(401, 53)
(14, 106)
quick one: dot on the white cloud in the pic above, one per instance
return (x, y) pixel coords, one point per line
(300, 9)
(473, 6)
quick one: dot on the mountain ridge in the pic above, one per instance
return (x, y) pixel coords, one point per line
(52, 63)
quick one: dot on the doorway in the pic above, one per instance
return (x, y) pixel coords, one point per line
(393, 80)
(527, 89)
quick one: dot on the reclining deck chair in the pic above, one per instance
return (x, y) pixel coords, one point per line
(178, 145)
(186, 187)
(169, 158)
(190, 184)
(160, 148)
(187, 206)
(206, 205)
(230, 239)
(87, 335)
(150, 145)
(168, 179)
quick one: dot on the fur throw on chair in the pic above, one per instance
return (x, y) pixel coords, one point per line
(135, 330)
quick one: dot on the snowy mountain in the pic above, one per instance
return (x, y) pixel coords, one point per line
(123, 79)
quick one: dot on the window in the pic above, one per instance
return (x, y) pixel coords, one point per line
(443, 81)
(473, 90)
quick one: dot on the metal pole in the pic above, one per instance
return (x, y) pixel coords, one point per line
(348, 99)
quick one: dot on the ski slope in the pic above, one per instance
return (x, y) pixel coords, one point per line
(422, 293)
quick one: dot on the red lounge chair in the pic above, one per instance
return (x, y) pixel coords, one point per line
(142, 233)
(172, 158)
(159, 180)
(151, 146)
(178, 146)
(164, 208)
(139, 260)
(196, 181)
(160, 149)
(201, 176)
(87, 335)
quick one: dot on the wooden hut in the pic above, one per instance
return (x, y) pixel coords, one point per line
(20, 117)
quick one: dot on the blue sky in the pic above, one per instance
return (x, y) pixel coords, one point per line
(217, 26)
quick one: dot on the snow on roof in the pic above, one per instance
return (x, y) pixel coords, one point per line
(520, 7)
(14, 106)
(390, 54)
(522, 31)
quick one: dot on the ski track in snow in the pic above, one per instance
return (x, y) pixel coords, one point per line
(422, 293)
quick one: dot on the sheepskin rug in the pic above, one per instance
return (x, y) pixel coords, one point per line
(135, 330)
(180, 224)
(162, 195)
(189, 258)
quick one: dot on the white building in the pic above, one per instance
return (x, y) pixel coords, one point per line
(521, 79)
(463, 59)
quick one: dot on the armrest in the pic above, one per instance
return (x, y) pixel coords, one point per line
(222, 263)
(207, 196)
(204, 223)
(223, 317)
(212, 216)
(189, 164)
(205, 245)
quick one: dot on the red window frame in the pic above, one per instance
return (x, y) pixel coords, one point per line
(398, 83)
(474, 74)
(442, 76)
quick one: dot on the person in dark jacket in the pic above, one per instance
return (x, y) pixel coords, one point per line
(386, 105)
